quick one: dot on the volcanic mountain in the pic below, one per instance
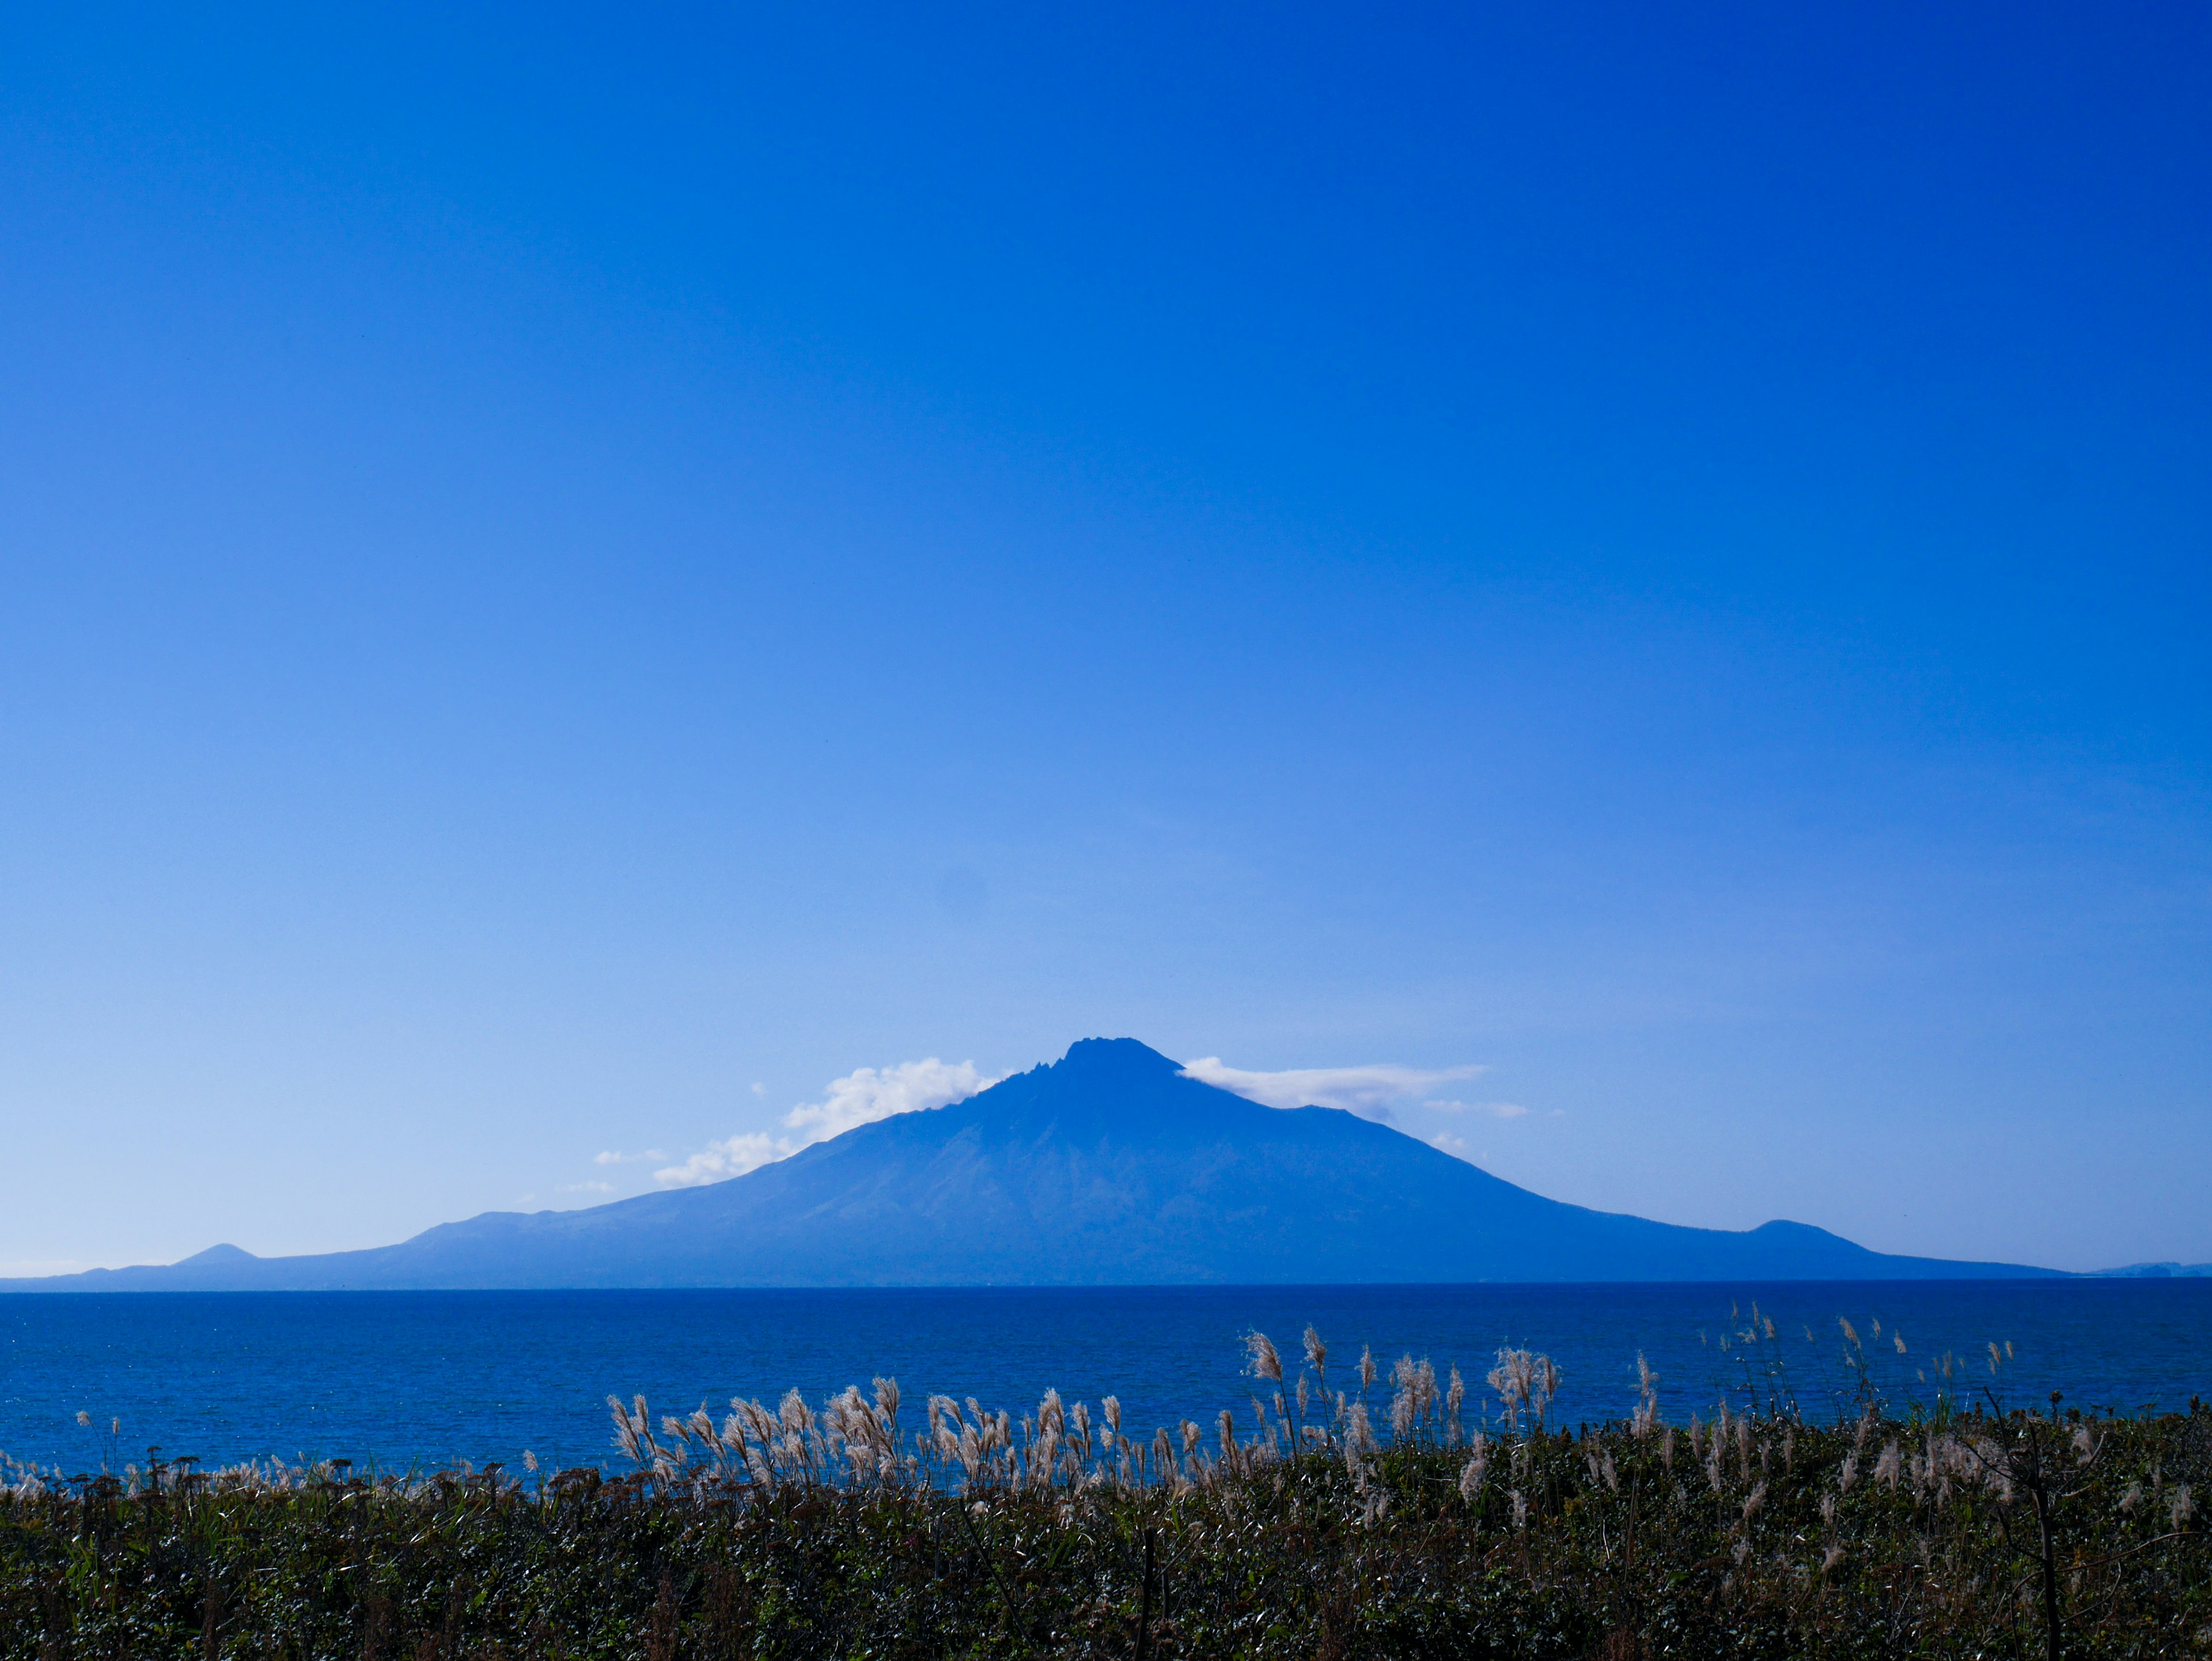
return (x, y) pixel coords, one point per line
(1108, 1166)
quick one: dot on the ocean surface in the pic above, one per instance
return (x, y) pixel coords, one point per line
(421, 1379)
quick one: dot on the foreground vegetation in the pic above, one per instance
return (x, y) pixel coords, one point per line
(1303, 1529)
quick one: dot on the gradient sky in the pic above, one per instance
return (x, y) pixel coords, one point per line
(570, 575)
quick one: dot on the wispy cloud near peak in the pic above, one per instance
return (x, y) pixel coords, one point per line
(861, 1097)
(866, 1095)
(1495, 1109)
(1371, 1091)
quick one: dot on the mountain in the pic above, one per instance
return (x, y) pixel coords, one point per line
(1106, 1167)
(2157, 1272)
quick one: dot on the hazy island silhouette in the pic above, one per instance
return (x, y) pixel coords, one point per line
(1111, 1167)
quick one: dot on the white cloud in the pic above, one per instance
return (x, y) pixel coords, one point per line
(1371, 1091)
(1496, 1110)
(649, 1154)
(585, 1188)
(863, 1097)
(859, 1098)
(732, 1156)
(1457, 1147)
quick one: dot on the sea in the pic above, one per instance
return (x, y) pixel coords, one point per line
(420, 1380)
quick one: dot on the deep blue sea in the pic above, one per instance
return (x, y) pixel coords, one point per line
(402, 1379)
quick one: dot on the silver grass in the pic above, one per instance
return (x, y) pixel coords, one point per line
(1477, 1468)
(626, 1436)
(1509, 1379)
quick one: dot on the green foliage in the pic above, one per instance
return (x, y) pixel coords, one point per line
(1761, 1536)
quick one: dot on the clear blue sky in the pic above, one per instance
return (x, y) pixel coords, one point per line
(557, 565)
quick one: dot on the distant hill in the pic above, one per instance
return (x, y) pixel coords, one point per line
(2158, 1272)
(1106, 1167)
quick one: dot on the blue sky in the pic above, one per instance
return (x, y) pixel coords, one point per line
(569, 577)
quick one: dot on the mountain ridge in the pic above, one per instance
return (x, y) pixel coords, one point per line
(1111, 1167)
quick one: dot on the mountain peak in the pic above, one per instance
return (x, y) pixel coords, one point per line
(1124, 1056)
(225, 1253)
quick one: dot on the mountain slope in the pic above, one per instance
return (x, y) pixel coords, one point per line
(1108, 1166)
